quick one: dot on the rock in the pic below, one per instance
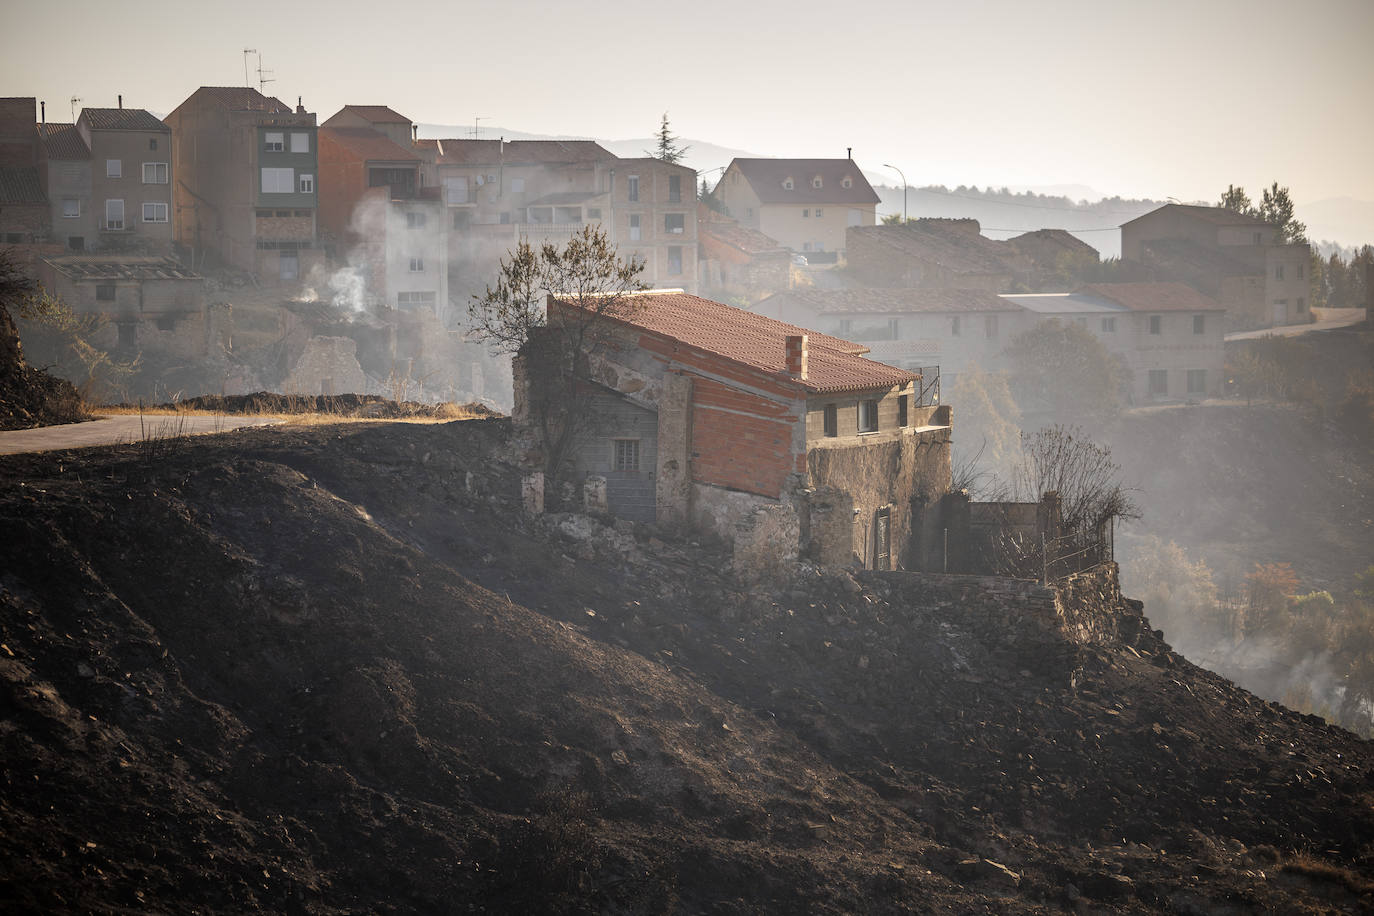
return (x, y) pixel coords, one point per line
(988, 871)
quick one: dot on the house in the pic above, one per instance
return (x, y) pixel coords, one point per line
(782, 441)
(152, 302)
(1169, 336)
(1054, 256)
(65, 169)
(246, 193)
(737, 261)
(932, 254)
(1228, 256)
(387, 224)
(25, 215)
(132, 177)
(497, 193)
(806, 204)
(939, 332)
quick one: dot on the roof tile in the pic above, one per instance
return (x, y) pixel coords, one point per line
(122, 119)
(1154, 297)
(766, 177)
(62, 141)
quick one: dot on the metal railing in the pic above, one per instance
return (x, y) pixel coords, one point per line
(930, 386)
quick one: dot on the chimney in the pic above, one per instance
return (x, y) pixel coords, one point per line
(43, 119)
(300, 109)
(414, 133)
(796, 355)
(849, 153)
(121, 102)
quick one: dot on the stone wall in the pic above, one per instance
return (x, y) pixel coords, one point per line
(328, 366)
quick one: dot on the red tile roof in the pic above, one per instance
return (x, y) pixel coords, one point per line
(122, 119)
(897, 301)
(1153, 297)
(367, 144)
(517, 152)
(20, 185)
(955, 245)
(766, 177)
(377, 114)
(241, 98)
(758, 342)
(1217, 215)
(747, 240)
(62, 141)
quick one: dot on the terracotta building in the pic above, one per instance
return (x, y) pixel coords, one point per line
(247, 182)
(780, 440)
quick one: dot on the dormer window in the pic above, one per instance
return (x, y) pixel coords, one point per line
(816, 182)
(787, 183)
(846, 182)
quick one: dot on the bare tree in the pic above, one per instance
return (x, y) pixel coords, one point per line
(1062, 460)
(591, 286)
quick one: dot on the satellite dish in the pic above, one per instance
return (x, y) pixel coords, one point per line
(481, 181)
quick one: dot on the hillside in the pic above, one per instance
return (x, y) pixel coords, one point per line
(329, 669)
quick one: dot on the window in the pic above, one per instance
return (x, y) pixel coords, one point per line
(517, 186)
(416, 299)
(632, 187)
(152, 144)
(749, 212)
(114, 214)
(1109, 325)
(1158, 382)
(1197, 381)
(806, 214)
(819, 213)
(593, 213)
(954, 326)
(634, 227)
(1278, 271)
(306, 184)
(105, 292)
(787, 184)
(114, 168)
(816, 182)
(882, 538)
(1199, 324)
(417, 265)
(901, 410)
(1156, 322)
(1299, 271)
(1259, 238)
(868, 415)
(76, 242)
(71, 207)
(461, 218)
(416, 220)
(1302, 304)
(154, 212)
(626, 455)
(288, 265)
(456, 190)
(831, 423)
(278, 181)
(154, 173)
(274, 141)
(674, 223)
(166, 324)
(674, 189)
(300, 143)
(674, 260)
(990, 326)
(846, 182)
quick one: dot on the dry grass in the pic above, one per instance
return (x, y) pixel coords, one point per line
(1315, 869)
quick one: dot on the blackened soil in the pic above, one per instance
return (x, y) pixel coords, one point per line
(333, 669)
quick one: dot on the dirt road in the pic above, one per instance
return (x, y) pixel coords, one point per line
(120, 429)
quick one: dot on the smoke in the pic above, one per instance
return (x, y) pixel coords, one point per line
(348, 289)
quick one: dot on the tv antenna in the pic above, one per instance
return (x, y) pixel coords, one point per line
(474, 125)
(246, 52)
(263, 78)
(75, 102)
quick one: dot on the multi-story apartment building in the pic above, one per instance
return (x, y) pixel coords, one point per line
(131, 179)
(247, 170)
(1231, 257)
(375, 204)
(496, 193)
(806, 204)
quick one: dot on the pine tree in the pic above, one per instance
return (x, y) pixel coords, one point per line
(670, 148)
(1236, 199)
(1276, 208)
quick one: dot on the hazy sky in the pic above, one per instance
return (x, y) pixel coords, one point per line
(1167, 98)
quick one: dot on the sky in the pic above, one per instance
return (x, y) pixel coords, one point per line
(1158, 99)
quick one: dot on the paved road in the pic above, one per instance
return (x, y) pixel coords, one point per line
(119, 430)
(1330, 319)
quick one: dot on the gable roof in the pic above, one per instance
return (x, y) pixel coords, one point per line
(1029, 243)
(955, 245)
(367, 144)
(757, 342)
(62, 141)
(1082, 302)
(376, 114)
(240, 98)
(892, 300)
(1219, 216)
(122, 119)
(766, 177)
(458, 151)
(20, 185)
(1154, 297)
(741, 238)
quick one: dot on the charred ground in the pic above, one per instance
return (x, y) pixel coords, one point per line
(332, 669)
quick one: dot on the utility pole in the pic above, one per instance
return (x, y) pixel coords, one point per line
(899, 172)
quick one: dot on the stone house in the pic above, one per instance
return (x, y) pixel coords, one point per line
(25, 216)
(933, 254)
(152, 303)
(247, 169)
(374, 203)
(782, 441)
(806, 204)
(1230, 257)
(737, 261)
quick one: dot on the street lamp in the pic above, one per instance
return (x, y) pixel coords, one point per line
(899, 172)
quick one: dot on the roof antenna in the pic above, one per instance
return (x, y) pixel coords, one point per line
(246, 52)
(263, 79)
(475, 128)
(75, 102)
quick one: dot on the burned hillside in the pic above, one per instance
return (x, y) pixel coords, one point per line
(333, 668)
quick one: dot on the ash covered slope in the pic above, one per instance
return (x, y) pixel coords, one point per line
(328, 669)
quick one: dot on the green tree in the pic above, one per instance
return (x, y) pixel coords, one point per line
(595, 287)
(668, 147)
(1063, 373)
(1276, 209)
(1235, 198)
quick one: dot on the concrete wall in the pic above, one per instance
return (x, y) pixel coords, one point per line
(133, 148)
(71, 180)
